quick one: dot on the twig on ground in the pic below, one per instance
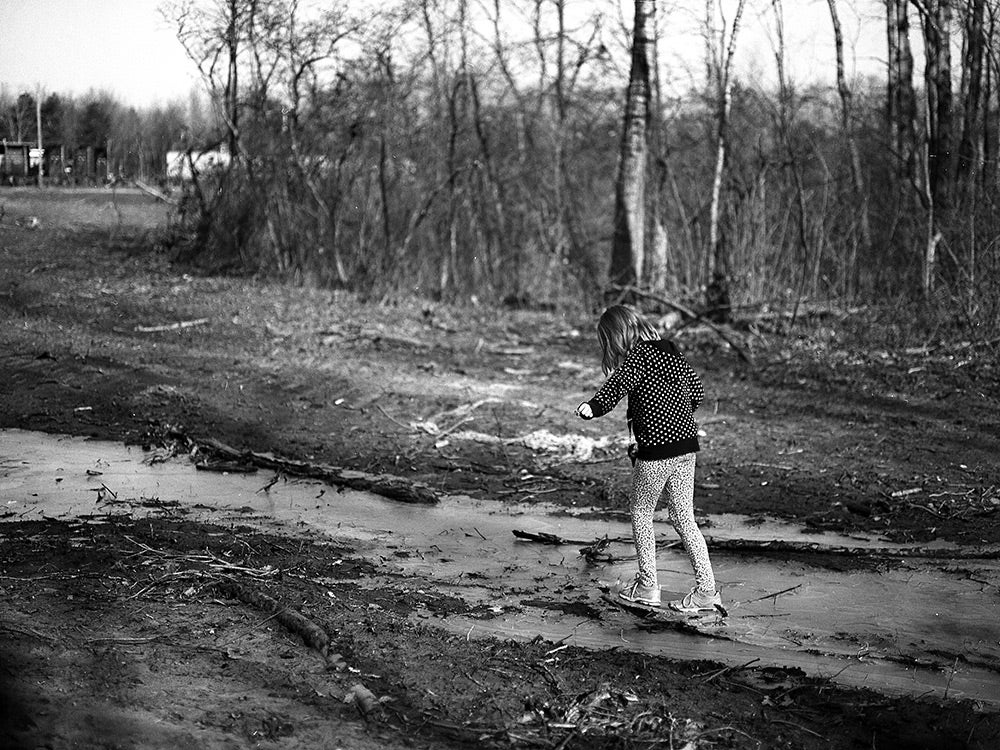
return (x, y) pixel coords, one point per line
(782, 467)
(172, 326)
(124, 640)
(500, 440)
(727, 729)
(930, 510)
(724, 670)
(274, 480)
(27, 631)
(954, 668)
(797, 726)
(775, 595)
(391, 418)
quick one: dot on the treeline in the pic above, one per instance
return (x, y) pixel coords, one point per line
(460, 149)
(132, 142)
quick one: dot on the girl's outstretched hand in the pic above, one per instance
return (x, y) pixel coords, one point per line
(584, 411)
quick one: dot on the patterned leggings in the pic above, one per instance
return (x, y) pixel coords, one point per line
(649, 479)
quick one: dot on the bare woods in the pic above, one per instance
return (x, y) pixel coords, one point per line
(539, 151)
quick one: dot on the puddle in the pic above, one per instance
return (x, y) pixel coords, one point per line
(919, 626)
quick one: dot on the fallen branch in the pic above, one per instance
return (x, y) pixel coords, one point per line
(787, 723)
(172, 326)
(393, 488)
(775, 595)
(724, 670)
(595, 552)
(545, 538)
(11, 628)
(311, 633)
(688, 313)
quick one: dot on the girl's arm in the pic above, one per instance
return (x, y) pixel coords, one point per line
(696, 387)
(622, 380)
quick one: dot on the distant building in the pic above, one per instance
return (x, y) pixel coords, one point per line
(179, 163)
(21, 160)
(16, 162)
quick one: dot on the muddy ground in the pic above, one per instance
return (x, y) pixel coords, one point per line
(156, 630)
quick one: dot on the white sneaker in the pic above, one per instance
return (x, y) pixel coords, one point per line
(636, 593)
(697, 601)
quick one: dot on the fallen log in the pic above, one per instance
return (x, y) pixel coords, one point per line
(779, 546)
(312, 634)
(785, 547)
(393, 488)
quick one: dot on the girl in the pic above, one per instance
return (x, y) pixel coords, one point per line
(662, 391)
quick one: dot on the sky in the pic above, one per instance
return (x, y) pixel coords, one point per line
(127, 48)
(124, 47)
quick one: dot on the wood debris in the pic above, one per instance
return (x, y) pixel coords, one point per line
(393, 488)
(312, 634)
(179, 325)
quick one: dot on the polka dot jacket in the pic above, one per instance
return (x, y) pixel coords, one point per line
(663, 392)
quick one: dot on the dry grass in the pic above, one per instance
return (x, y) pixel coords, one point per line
(83, 207)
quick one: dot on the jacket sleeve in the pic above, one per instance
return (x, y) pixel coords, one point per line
(695, 384)
(624, 379)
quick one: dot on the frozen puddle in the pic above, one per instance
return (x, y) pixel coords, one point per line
(914, 626)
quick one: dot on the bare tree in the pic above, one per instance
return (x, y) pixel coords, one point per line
(18, 115)
(972, 75)
(627, 247)
(900, 96)
(297, 48)
(936, 18)
(720, 58)
(212, 36)
(791, 156)
(847, 127)
(658, 258)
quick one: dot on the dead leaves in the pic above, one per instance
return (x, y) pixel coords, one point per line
(611, 711)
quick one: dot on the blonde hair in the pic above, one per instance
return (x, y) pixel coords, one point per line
(618, 330)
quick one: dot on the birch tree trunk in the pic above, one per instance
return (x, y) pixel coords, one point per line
(657, 266)
(628, 243)
(720, 62)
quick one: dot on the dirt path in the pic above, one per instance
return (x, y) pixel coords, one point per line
(125, 617)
